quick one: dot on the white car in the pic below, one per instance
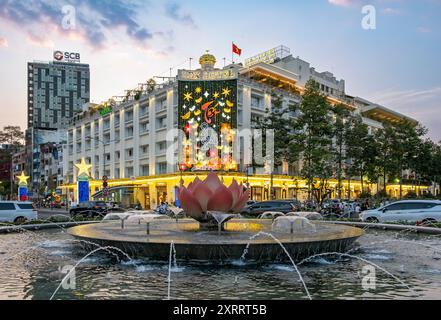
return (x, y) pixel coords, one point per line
(422, 211)
(17, 212)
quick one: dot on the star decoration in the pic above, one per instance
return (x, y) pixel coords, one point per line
(198, 90)
(216, 95)
(83, 168)
(188, 96)
(206, 94)
(226, 92)
(22, 179)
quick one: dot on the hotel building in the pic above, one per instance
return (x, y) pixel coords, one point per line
(125, 139)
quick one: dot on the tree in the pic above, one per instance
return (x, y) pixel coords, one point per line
(313, 139)
(340, 132)
(386, 161)
(278, 119)
(12, 135)
(361, 149)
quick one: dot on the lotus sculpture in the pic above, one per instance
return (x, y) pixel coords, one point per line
(206, 201)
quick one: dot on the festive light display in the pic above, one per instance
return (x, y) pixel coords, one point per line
(208, 117)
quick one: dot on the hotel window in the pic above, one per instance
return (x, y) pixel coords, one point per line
(107, 156)
(162, 168)
(256, 102)
(129, 115)
(143, 110)
(161, 146)
(117, 155)
(106, 124)
(97, 160)
(161, 105)
(129, 132)
(144, 127)
(117, 135)
(129, 172)
(116, 119)
(144, 149)
(144, 170)
(117, 173)
(240, 116)
(161, 123)
(106, 138)
(129, 153)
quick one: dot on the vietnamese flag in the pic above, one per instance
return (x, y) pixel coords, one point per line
(237, 50)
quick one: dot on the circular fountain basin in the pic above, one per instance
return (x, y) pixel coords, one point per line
(153, 240)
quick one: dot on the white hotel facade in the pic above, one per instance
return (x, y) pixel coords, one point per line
(127, 141)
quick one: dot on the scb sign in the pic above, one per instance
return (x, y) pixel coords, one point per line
(66, 56)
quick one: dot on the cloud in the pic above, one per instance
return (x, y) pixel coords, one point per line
(3, 42)
(423, 105)
(424, 30)
(342, 3)
(39, 41)
(392, 11)
(173, 9)
(94, 20)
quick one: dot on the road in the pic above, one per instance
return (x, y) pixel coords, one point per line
(44, 214)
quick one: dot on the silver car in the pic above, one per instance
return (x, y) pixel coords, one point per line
(416, 211)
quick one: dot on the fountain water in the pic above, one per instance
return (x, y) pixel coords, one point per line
(83, 259)
(245, 252)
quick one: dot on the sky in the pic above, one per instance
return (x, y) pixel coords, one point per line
(397, 64)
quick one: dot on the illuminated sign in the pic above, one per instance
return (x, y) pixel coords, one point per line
(207, 75)
(64, 56)
(267, 57)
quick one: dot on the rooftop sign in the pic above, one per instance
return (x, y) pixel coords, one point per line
(64, 56)
(269, 56)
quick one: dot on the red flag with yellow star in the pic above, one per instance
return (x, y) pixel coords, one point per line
(237, 50)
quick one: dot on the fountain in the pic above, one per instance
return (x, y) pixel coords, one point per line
(214, 231)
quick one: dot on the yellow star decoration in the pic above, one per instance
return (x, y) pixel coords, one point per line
(216, 95)
(22, 179)
(188, 96)
(198, 90)
(226, 92)
(83, 168)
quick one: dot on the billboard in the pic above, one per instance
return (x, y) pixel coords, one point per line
(207, 113)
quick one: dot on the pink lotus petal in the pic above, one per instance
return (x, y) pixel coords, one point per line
(235, 192)
(202, 193)
(196, 183)
(221, 200)
(242, 201)
(212, 182)
(190, 204)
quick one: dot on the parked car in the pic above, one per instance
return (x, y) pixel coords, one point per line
(17, 212)
(90, 209)
(274, 206)
(417, 211)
